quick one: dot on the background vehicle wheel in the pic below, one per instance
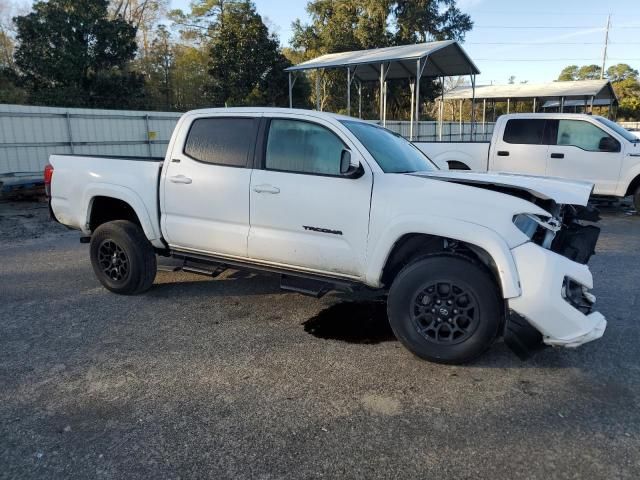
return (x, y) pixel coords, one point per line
(445, 309)
(636, 199)
(122, 258)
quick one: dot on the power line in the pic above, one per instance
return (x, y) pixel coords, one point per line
(620, 59)
(564, 27)
(549, 43)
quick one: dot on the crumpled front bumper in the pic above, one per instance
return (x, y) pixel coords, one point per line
(542, 275)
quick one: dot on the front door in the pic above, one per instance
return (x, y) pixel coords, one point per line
(580, 150)
(206, 186)
(304, 213)
(521, 148)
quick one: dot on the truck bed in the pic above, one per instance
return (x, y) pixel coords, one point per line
(446, 154)
(80, 179)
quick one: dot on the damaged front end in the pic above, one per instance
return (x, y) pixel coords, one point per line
(556, 306)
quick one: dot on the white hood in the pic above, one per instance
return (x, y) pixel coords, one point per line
(568, 192)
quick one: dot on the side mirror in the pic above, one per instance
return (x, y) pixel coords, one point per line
(348, 168)
(608, 144)
(345, 162)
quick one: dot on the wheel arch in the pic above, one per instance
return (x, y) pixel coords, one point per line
(633, 185)
(400, 246)
(111, 202)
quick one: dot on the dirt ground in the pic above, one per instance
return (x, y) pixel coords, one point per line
(232, 378)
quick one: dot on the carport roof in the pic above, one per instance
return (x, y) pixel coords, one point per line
(444, 58)
(599, 89)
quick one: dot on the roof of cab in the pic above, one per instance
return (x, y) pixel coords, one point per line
(272, 111)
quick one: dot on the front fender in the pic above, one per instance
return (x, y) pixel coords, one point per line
(629, 175)
(93, 190)
(471, 233)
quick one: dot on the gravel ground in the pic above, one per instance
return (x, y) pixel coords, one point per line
(231, 378)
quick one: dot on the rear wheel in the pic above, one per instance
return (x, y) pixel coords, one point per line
(445, 309)
(636, 199)
(122, 258)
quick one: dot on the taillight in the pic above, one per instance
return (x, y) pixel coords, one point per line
(48, 176)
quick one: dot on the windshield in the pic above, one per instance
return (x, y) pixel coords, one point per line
(618, 129)
(392, 152)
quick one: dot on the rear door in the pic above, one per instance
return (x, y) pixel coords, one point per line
(304, 213)
(581, 150)
(206, 185)
(521, 147)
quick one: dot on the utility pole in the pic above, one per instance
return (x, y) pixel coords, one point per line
(606, 44)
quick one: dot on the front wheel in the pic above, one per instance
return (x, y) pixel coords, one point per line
(445, 309)
(636, 199)
(122, 258)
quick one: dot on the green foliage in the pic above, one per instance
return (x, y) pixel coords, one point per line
(71, 53)
(621, 72)
(246, 65)
(568, 73)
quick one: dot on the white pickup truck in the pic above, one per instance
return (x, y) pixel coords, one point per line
(331, 202)
(566, 145)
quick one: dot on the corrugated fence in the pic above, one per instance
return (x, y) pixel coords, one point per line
(28, 135)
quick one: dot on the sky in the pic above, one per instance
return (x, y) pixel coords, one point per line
(532, 41)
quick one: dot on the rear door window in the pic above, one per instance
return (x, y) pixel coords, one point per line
(222, 141)
(524, 131)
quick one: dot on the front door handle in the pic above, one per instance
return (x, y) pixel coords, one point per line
(503, 153)
(180, 179)
(557, 155)
(266, 189)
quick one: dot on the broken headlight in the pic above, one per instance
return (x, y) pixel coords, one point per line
(540, 230)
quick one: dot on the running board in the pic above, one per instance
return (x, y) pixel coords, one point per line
(305, 286)
(210, 270)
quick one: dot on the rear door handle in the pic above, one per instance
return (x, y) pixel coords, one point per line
(180, 179)
(557, 155)
(266, 189)
(503, 153)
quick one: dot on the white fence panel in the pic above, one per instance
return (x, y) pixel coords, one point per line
(28, 135)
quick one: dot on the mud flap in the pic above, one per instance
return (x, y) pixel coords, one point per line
(521, 337)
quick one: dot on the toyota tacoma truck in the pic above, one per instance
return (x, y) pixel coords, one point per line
(565, 145)
(333, 203)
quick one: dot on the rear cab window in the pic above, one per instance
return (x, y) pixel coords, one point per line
(222, 140)
(524, 131)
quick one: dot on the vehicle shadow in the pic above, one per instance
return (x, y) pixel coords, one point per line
(353, 322)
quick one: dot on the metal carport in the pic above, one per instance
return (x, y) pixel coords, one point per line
(579, 92)
(411, 62)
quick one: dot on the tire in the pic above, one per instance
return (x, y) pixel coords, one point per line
(122, 258)
(636, 199)
(445, 309)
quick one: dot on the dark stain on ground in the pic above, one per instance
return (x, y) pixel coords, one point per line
(353, 322)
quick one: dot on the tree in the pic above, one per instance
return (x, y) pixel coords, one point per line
(426, 20)
(71, 53)
(621, 72)
(568, 73)
(10, 92)
(589, 72)
(144, 15)
(573, 72)
(246, 65)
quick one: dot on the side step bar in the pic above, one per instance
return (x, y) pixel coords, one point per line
(200, 268)
(292, 281)
(305, 286)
